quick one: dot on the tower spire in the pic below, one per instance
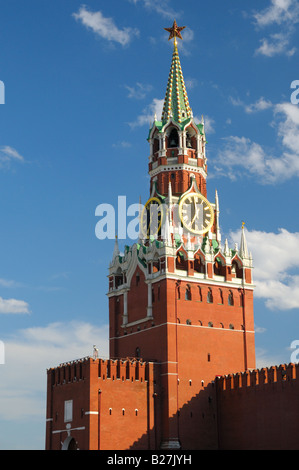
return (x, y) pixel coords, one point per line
(243, 246)
(176, 103)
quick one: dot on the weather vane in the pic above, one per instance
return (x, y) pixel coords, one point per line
(175, 31)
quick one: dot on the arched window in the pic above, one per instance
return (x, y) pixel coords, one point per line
(173, 138)
(188, 293)
(230, 298)
(199, 265)
(219, 266)
(188, 140)
(181, 261)
(236, 270)
(137, 353)
(210, 296)
(199, 293)
(156, 264)
(221, 296)
(118, 278)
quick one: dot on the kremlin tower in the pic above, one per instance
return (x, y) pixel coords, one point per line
(179, 297)
(180, 309)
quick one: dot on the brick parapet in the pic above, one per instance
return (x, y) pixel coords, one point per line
(125, 369)
(249, 379)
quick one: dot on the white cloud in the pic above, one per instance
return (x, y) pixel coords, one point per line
(148, 114)
(123, 144)
(13, 306)
(282, 13)
(263, 359)
(30, 352)
(7, 283)
(260, 105)
(240, 155)
(105, 27)
(276, 267)
(162, 7)
(139, 91)
(8, 155)
(279, 12)
(278, 43)
(191, 83)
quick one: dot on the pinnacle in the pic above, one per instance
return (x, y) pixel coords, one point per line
(176, 103)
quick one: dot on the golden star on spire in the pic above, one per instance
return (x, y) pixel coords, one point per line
(175, 31)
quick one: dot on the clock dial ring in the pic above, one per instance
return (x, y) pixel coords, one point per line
(196, 213)
(147, 227)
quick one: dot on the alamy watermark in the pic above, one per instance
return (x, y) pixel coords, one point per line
(295, 94)
(2, 92)
(295, 353)
(2, 353)
(146, 221)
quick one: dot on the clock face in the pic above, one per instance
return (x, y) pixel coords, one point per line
(151, 217)
(196, 213)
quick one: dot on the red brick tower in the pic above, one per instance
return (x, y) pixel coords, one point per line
(178, 297)
(180, 311)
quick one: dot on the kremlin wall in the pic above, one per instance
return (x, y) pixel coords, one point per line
(117, 403)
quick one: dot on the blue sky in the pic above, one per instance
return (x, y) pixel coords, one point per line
(82, 83)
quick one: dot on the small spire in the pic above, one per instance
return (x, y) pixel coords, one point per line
(116, 248)
(176, 103)
(217, 212)
(243, 245)
(169, 193)
(139, 217)
(226, 248)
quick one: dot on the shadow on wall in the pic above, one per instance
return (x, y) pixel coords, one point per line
(253, 410)
(195, 423)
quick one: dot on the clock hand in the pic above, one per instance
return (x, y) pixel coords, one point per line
(195, 215)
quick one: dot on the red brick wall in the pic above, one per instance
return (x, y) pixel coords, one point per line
(113, 405)
(259, 410)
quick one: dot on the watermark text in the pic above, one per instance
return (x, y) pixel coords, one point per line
(2, 92)
(295, 94)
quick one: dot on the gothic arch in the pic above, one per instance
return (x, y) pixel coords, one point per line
(134, 262)
(155, 263)
(199, 262)
(173, 138)
(188, 295)
(237, 267)
(210, 296)
(181, 261)
(69, 444)
(230, 298)
(219, 264)
(190, 133)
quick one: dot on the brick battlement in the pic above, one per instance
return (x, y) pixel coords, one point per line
(122, 369)
(266, 375)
